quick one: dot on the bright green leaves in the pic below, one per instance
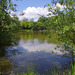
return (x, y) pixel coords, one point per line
(73, 27)
(65, 23)
(65, 20)
(25, 24)
(41, 24)
(66, 28)
(5, 18)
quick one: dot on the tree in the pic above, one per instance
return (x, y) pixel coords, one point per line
(64, 22)
(25, 24)
(15, 24)
(31, 23)
(5, 22)
(42, 22)
(5, 18)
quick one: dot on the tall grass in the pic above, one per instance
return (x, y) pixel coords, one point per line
(55, 72)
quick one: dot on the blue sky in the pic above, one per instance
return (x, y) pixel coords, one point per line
(32, 8)
(23, 4)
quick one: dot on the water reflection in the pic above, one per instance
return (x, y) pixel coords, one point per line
(5, 66)
(6, 39)
(34, 50)
(36, 45)
(41, 36)
(37, 53)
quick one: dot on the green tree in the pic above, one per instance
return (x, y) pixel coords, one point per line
(31, 23)
(65, 20)
(15, 22)
(5, 18)
(64, 23)
(25, 23)
(42, 22)
(5, 22)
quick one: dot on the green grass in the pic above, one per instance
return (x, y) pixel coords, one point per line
(64, 72)
(31, 73)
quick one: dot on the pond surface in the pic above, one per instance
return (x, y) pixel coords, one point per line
(36, 51)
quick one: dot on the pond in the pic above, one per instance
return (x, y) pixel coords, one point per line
(36, 51)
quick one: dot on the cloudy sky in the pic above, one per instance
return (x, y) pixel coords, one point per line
(32, 8)
(34, 12)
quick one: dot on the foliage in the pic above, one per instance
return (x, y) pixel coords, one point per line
(64, 22)
(65, 26)
(25, 24)
(15, 23)
(39, 25)
(7, 23)
(5, 18)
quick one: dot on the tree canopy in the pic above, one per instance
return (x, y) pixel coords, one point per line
(7, 23)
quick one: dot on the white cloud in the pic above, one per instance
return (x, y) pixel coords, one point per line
(60, 6)
(32, 12)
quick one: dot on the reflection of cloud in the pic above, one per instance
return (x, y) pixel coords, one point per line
(34, 46)
(42, 60)
(37, 53)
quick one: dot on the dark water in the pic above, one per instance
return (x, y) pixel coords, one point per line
(35, 51)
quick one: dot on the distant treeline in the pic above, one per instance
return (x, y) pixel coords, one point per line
(43, 23)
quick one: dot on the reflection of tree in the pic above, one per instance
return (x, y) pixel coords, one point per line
(6, 39)
(41, 36)
(5, 66)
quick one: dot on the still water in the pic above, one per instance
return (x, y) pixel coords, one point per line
(36, 51)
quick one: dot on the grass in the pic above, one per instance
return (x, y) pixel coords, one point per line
(55, 72)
